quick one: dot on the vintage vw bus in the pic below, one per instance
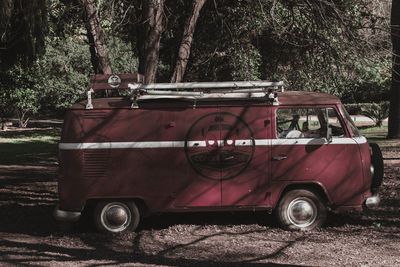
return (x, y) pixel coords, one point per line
(212, 147)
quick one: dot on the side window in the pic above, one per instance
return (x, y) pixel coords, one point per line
(307, 123)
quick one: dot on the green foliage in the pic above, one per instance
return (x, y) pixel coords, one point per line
(330, 46)
(354, 108)
(376, 112)
(245, 61)
(368, 81)
(19, 94)
(122, 58)
(6, 109)
(225, 42)
(376, 224)
(62, 74)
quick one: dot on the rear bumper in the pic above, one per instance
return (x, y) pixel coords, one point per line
(66, 216)
(372, 201)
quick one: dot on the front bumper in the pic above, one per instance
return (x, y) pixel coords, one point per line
(372, 201)
(66, 216)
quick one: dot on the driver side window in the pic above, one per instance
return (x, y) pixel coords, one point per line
(307, 123)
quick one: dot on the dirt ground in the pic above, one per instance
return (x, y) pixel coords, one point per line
(30, 236)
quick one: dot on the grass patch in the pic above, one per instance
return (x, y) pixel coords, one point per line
(29, 146)
(375, 136)
(372, 129)
(30, 134)
(378, 135)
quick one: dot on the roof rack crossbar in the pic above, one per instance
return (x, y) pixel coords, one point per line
(171, 93)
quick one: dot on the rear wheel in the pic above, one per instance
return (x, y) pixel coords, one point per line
(116, 216)
(377, 164)
(301, 210)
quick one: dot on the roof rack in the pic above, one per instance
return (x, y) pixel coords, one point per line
(206, 90)
(190, 90)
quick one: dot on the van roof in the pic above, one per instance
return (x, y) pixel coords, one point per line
(284, 98)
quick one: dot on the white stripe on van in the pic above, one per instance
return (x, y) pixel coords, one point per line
(180, 144)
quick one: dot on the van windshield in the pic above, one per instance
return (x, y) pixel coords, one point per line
(353, 126)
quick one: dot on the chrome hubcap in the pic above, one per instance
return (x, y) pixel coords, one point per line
(115, 217)
(302, 212)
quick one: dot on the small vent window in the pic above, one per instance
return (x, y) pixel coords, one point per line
(94, 114)
(95, 163)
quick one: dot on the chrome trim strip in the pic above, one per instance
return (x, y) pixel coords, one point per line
(181, 144)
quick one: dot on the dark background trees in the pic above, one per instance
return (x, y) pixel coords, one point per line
(339, 47)
(394, 113)
(23, 25)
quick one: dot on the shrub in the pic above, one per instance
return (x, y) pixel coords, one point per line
(376, 112)
(354, 109)
(19, 95)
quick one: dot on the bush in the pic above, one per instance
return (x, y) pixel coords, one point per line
(19, 95)
(354, 109)
(63, 73)
(376, 112)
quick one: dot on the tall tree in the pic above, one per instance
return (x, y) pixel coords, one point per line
(394, 112)
(6, 8)
(98, 49)
(23, 26)
(186, 43)
(149, 36)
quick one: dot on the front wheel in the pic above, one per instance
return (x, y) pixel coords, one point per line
(116, 216)
(377, 166)
(301, 210)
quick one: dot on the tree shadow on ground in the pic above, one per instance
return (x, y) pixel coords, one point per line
(98, 250)
(34, 153)
(165, 220)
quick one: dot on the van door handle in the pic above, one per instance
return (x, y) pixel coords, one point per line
(280, 157)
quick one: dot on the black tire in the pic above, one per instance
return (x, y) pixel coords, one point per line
(116, 216)
(377, 163)
(289, 208)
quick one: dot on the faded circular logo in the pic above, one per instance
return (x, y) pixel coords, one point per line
(114, 81)
(219, 146)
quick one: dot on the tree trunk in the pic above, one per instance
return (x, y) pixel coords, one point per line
(23, 26)
(95, 34)
(394, 111)
(149, 35)
(94, 59)
(186, 43)
(6, 8)
(22, 121)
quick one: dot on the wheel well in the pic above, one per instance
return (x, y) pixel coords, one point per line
(315, 188)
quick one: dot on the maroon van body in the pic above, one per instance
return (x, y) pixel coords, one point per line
(216, 154)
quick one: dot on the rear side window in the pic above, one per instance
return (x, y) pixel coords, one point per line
(307, 123)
